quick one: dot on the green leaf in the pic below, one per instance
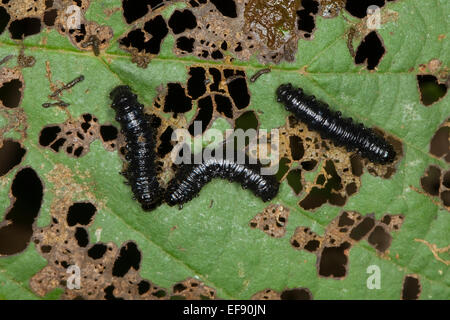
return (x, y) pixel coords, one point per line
(216, 245)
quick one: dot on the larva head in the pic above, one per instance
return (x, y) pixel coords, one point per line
(283, 91)
(271, 190)
(382, 153)
(120, 93)
(150, 198)
(388, 155)
(149, 206)
(173, 196)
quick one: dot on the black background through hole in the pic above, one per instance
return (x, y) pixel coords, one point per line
(432, 180)
(371, 50)
(358, 8)
(11, 154)
(380, 239)
(182, 20)
(97, 251)
(296, 294)
(246, 121)
(81, 213)
(48, 135)
(205, 111)
(82, 237)
(129, 257)
(226, 7)
(10, 93)
(239, 92)
(411, 288)
(186, 44)
(333, 262)
(16, 233)
(196, 83)
(4, 19)
(430, 89)
(440, 143)
(306, 21)
(223, 105)
(108, 132)
(25, 27)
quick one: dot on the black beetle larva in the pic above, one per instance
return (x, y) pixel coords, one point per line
(190, 179)
(330, 125)
(139, 136)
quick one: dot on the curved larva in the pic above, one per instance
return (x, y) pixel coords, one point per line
(139, 136)
(330, 125)
(190, 179)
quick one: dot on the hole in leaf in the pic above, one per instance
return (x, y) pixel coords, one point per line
(430, 89)
(224, 106)
(82, 237)
(4, 19)
(294, 179)
(345, 220)
(185, 44)
(135, 9)
(176, 100)
(81, 213)
(239, 93)
(440, 143)
(296, 294)
(282, 168)
(445, 197)
(362, 228)
(306, 21)
(380, 239)
(166, 142)
(11, 154)
(10, 93)
(226, 7)
(204, 115)
(432, 180)
(312, 245)
(333, 261)
(108, 132)
(27, 189)
(129, 257)
(143, 287)
(182, 20)
(411, 288)
(196, 82)
(296, 146)
(97, 251)
(370, 51)
(50, 17)
(48, 135)
(109, 293)
(58, 144)
(358, 8)
(246, 121)
(309, 165)
(24, 27)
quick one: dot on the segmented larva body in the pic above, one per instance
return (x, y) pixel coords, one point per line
(190, 179)
(330, 125)
(140, 145)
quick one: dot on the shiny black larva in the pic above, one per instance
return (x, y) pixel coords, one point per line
(191, 178)
(140, 145)
(330, 125)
